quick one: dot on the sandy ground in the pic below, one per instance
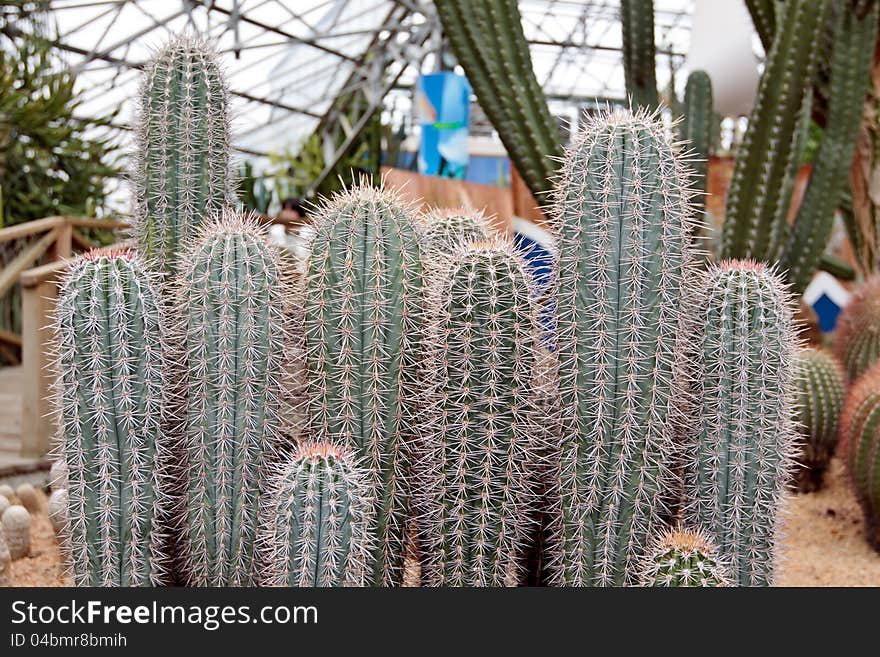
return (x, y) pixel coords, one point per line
(823, 543)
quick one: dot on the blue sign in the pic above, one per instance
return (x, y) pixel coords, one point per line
(443, 111)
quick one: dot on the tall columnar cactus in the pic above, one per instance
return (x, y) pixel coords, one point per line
(319, 524)
(364, 345)
(860, 438)
(181, 173)
(231, 337)
(446, 230)
(696, 129)
(623, 222)
(684, 558)
(639, 52)
(820, 392)
(483, 438)
(855, 36)
(760, 191)
(488, 40)
(763, 14)
(110, 392)
(743, 447)
(857, 336)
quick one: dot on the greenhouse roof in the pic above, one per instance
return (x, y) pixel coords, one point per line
(292, 64)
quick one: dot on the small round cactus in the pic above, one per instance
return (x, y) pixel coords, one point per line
(58, 474)
(445, 230)
(683, 558)
(4, 504)
(57, 507)
(5, 560)
(17, 531)
(819, 381)
(860, 440)
(857, 338)
(7, 492)
(29, 497)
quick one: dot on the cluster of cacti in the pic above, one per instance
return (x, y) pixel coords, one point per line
(637, 20)
(684, 558)
(482, 435)
(318, 527)
(695, 130)
(857, 334)
(820, 391)
(182, 169)
(769, 156)
(860, 442)
(110, 399)
(854, 39)
(623, 222)
(488, 40)
(741, 455)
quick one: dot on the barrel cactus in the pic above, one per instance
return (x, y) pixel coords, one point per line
(684, 558)
(860, 438)
(17, 531)
(182, 165)
(820, 391)
(231, 337)
(482, 436)
(857, 336)
(445, 230)
(111, 403)
(624, 221)
(364, 351)
(742, 453)
(319, 527)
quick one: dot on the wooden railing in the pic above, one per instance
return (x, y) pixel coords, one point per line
(37, 268)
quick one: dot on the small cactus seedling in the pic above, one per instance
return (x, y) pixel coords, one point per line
(110, 395)
(5, 561)
(7, 492)
(319, 528)
(58, 474)
(742, 454)
(364, 351)
(28, 497)
(17, 531)
(232, 334)
(683, 558)
(181, 174)
(857, 337)
(483, 437)
(57, 507)
(860, 438)
(624, 223)
(445, 230)
(4, 504)
(820, 389)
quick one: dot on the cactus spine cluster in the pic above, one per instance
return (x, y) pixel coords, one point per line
(820, 390)
(364, 348)
(857, 335)
(684, 558)
(110, 393)
(639, 52)
(623, 224)
(182, 171)
(231, 342)
(742, 453)
(696, 130)
(760, 191)
(488, 40)
(319, 525)
(854, 39)
(860, 438)
(476, 471)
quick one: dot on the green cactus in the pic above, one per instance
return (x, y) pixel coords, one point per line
(769, 157)
(476, 486)
(623, 222)
(445, 230)
(696, 129)
(857, 335)
(820, 389)
(182, 170)
(110, 391)
(850, 67)
(488, 40)
(860, 438)
(231, 340)
(319, 524)
(364, 350)
(639, 52)
(742, 453)
(763, 14)
(683, 558)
